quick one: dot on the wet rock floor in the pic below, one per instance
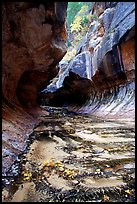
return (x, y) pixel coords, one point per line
(76, 158)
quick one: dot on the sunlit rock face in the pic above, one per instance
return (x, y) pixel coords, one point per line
(72, 85)
(112, 47)
(110, 40)
(33, 42)
(113, 64)
(106, 57)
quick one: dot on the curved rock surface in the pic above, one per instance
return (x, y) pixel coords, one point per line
(33, 42)
(75, 90)
(109, 50)
(112, 47)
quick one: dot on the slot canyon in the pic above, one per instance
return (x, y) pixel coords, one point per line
(68, 126)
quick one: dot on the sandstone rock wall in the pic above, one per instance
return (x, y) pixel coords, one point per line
(106, 56)
(111, 42)
(33, 42)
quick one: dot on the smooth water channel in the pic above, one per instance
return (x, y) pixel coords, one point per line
(77, 158)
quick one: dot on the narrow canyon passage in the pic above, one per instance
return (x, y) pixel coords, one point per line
(68, 102)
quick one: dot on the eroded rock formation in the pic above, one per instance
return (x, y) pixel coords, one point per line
(111, 65)
(112, 48)
(75, 90)
(33, 42)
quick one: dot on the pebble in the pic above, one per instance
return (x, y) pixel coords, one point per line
(129, 166)
(75, 182)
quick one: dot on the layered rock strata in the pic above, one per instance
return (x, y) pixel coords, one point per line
(33, 42)
(106, 57)
(112, 48)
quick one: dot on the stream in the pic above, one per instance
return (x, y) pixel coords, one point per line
(76, 158)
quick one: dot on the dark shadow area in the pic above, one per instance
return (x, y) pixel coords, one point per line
(75, 90)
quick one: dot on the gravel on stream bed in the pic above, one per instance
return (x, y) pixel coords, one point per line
(75, 158)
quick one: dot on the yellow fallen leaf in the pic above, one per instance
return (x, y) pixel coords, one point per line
(61, 168)
(105, 197)
(115, 148)
(27, 176)
(97, 170)
(59, 164)
(51, 164)
(26, 179)
(128, 191)
(46, 163)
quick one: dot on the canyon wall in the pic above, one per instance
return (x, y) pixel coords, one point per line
(111, 43)
(33, 42)
(105, 63)
(99, 80)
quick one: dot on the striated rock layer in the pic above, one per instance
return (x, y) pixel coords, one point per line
(33, 42)
(112, 47)
(101, 75)
(106, 60)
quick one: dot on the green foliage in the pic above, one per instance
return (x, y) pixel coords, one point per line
(73, 8)
(85, 20)
(70, 54)
(81, 20)
(94, 17)
(69, 43)
(78, 21)
(83, 10)
(76, 25)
